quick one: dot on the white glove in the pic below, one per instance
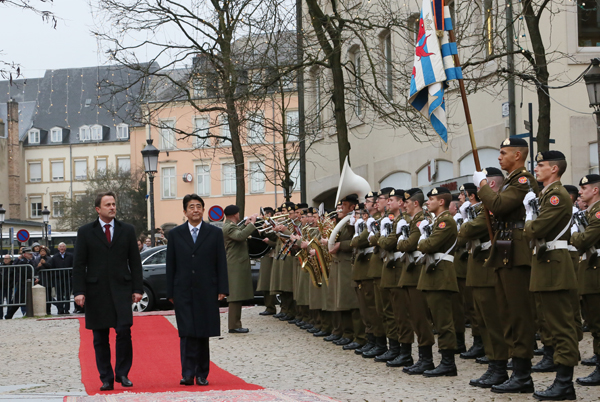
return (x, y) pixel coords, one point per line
(574, 229)
(528, 215)
(421, 238)
(383, 224)
(371, 234)
(478, 177)
(357, 224)
(422, 227)
(370, 224)
(457, 218)
(401, 223)
(528, 197)
(352, 220)
(463, 210)
(575, 209)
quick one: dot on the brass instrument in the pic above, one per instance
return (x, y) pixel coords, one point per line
(308, 263)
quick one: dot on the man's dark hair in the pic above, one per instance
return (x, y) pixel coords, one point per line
(419, 197)
(562, 166)
(472, 192)
(189, 197)
(99, 197)
(447, 199)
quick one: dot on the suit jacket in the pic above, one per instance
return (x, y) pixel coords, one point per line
(196, 275)
(107, 274)
(58, 262)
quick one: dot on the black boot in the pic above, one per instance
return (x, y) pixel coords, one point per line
(391, 353)
(404, 358)
(592, 379)
(368, 346)
(538, 352)
(520, 381)
(424, 363)
(460, 343)
(379, 349)
(495, 375)
(332, 338)
(447, 367)
(546, 365)
(592, 361)
(482, 360)
(475, 351)
(561, 389)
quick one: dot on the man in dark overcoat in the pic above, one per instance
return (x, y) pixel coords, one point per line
(196, 282)
(107, 279)
(62, 259)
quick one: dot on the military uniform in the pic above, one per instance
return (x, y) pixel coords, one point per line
(458, 299)
(264, 278)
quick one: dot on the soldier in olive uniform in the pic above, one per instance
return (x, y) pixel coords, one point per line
(482, 280)
(314, 292)
(238, 265)
(460, 267)
(303, 277)
(266, 265)
(511, 256)
(587, 241)
(285, 266)
(552, 273)
(438, 278)
(409, 279)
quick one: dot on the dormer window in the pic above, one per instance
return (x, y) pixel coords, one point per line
(34, 136)
(84, 133)
(56, 134)
(122, 131)
(97, 133)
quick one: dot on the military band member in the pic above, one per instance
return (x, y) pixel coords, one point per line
(314, 292)
(511, 256)
(266, 265)
(282, 276)
(587, 241)
(302, 276)
(482, 280)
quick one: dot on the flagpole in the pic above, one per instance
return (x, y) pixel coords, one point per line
(463, 95)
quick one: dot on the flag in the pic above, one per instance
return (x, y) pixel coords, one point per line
(434, 65)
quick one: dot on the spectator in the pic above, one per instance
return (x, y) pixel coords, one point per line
(20, 280)
(4, 280)
(35, 248)
(140, 246)
(148, 243)
(62, 279)
(44, 263)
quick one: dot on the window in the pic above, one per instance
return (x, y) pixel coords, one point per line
(199, 88)
(256, 80)
(256, 132)
(84, 133)
(203, 180)
(56, 135)
(436, 171)
(257, 177)
(295, 174)
(593, 158)
(413, 26)
(167, 134)
(58, 170)
(289, 81)
(35, 172)
(225, 130)
(101, 165)
(157, 258)
(292, 125)
(122, 132)
(397, 180)
(228, 178)
(387, 48)
(201, 125)
(357, 85)
(80, 169)
(57, 206)
(124, 164)
(34, 136)
(169, 183)
(96, 133)
(588, 23)
(36, 207)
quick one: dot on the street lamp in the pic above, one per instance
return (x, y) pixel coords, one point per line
(150, 155)
(46, 219)
(288, 188)
(592, 82)
(2, 214)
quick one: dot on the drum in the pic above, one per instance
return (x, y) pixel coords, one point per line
(257, 248)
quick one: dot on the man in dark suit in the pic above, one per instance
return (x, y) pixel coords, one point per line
(196, 282)
(62, 281)
(107, 279)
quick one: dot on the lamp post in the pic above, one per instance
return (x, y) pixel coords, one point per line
(2, 214)
(592, 82)
(288, 188)
(150, 155)
(46, 219)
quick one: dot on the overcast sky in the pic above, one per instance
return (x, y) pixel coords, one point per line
(37, 46)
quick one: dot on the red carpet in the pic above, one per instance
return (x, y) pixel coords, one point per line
(156, 364)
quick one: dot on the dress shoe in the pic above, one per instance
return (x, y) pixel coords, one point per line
(201, 381)
(343, 341)
(124, 381)
(424, 363)
(546, 365)
(279, 315)
(321, 334)
(293, 321)
(313, 330)
(476, 350)
(592, 361)
(186, 381)
(332, 338)
(286, 318)
(561, 389)
(520, 381)
(495, 375)
(446, 368)
(352, 346)
(482, 360)
(239, 331)
(592, 379)
(404, 358)
(266, 312)
(460, 343)
(107, 386)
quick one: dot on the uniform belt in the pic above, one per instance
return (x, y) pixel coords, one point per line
(555, 245)
(571, 248)
(510, 225)
(398, 254)
(369, 250)
(441, 256)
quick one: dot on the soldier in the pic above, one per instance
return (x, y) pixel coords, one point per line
(302, 276)
(482, 280)
(409, 279)
(282, 276)
(266, 265)
(511, 256)
(587, 241)
(400, 352)
(460, 267)
(314, 292)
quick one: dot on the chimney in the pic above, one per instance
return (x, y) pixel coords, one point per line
(14, 160)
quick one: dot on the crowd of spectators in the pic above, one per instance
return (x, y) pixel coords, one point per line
(145, 242)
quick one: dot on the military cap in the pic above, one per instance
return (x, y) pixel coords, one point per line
(397, 192)
(359, 207)
(589, 179)
(571, 189)
(279, 209)
(352, 198)
(409, 193)
(547, 156)
(290, 206)
(492, 172)
(438, 191)
(372, 194)
(268, 210)
(514, 142)
(301, 205)
(27, 250)
(386, 191)
(311, 210)
(468, 186)
(231, 210)
(339, 203)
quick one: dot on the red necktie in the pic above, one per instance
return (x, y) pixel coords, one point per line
(107, 232)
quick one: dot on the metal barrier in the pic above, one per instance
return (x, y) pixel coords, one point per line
(15, 288)
(58, 284)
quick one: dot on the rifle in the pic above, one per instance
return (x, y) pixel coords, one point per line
(582, 223)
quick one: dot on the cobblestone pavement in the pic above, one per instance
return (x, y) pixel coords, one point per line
(41, 357)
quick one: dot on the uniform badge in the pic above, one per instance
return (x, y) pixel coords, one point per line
(554, 200)
(406, 195)
(506, 142)
(434, 191)
(584, 180)
(539, 157)
(442, 225)
(419, 223)
(391, 217)
(523, 180)
(598, 215)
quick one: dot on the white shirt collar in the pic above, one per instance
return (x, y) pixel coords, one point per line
(102, 223)
(190, 226)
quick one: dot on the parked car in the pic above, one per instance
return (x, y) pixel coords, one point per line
(154, 267)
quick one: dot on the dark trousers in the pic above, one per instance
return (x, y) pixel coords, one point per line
(591, 308)
(400, 308)
(418, 313)
(440, 304)
(195, 357)
(365, 292)
(124, 353)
